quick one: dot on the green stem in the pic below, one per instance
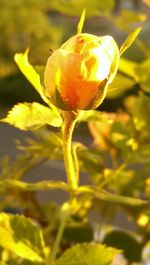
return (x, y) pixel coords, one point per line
(70, 119)
(64, 217)
(75, 159)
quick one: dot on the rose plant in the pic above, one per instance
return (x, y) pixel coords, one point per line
(77, 78)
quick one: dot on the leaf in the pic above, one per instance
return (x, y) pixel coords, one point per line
(41, 185)
(81, 22)
(27, 69)
(85, 254)
(21, 262)
(140, 111)
(15, 169)
(22, 237)
(143, 73)
(93, 115)
(130, 39)
(143, 155)
(107, 196)
(31, 116)
(125, 241)
(91, 161)
(119, 86)
(47, 145)
(128, 68)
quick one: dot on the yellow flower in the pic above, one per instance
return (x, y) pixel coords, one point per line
(77, 75)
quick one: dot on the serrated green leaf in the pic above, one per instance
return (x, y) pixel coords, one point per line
(22, 237)
(107, 196)
(85, 254)
(31, 116)
(81, 22)
(130, 39)
(126, 242)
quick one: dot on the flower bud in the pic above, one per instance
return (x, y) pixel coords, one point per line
(77, 75)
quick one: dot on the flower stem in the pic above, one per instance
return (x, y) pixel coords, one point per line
(70, 119)
(64, 218)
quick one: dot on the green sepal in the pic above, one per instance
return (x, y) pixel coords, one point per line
(99, 95)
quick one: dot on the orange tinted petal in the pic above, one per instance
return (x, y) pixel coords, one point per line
(75, 90)
(71, 79)
(90, 63)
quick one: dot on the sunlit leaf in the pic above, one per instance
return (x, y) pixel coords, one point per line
(31, 116)
(119, 86)
(27, 69)
(81, 22)
(22, 237)
(128, 68)
(130, 39)
(85, 254)
(107, 196)
(93, 115)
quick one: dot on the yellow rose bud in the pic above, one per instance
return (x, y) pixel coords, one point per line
(77, 75)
